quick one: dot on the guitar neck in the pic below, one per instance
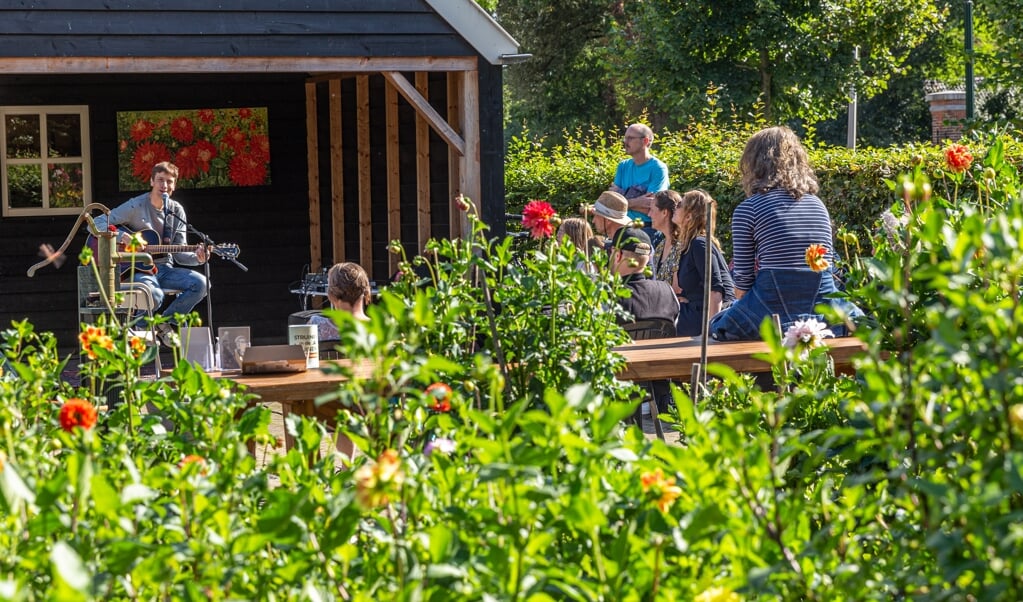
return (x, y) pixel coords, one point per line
(169, 248)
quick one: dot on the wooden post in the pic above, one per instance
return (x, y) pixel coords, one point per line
(393, 173)
(423, 216)
(365, 190)
(455, 216)
(469, 178)
(337, 177)
(707, 266)
(312, 154)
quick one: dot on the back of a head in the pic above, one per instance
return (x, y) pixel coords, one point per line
(348, 282)
(633, 245)
(578, 231)
(693, 214)
(775, 158)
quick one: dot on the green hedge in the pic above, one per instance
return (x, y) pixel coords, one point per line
(853, 182)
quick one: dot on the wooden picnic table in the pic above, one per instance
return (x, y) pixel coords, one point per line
(655, 359)
(652, 359)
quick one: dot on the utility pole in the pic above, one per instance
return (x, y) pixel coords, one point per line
(850, 136)
(969, 59)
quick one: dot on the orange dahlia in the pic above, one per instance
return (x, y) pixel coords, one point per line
(77, 412)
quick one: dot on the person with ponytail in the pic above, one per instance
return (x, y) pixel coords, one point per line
(690, 219)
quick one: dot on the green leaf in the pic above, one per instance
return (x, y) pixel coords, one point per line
(105, 497)
(69, 567)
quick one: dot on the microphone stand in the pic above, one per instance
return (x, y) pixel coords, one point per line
(208, 243)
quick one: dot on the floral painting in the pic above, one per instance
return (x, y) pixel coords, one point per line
(211, 147)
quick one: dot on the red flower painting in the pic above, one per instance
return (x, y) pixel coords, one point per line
(145, 156)
(182, 130)
(211, 147)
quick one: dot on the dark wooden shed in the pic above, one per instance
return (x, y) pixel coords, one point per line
(378, 113)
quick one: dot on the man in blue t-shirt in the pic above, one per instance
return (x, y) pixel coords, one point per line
(641, 175)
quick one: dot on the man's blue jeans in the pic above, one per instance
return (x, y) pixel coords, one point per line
(192, 285)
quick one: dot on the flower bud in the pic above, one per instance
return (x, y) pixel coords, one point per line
(905, 188)
(925, 191)
(989, 174)
(917, 160)
(1016, 418)
(394, 247)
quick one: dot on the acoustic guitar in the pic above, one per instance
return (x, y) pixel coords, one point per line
(153, 247)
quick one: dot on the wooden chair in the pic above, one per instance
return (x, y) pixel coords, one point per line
(642, 330)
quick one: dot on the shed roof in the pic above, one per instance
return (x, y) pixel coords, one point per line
(250, 29)
(478, 28)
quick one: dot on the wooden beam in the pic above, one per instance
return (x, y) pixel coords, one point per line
(337, 173)
(423, 107)
(423, 219)
(393, 173)
(455, 216)
(312, 152)
(469, 176)
(221, 64)
(327, 77)
(365, 190)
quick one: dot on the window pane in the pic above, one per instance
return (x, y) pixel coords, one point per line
(64, 135)
(65, 184)
(22, 136)
(25, 186)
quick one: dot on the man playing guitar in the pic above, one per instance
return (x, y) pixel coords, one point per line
(156, 211)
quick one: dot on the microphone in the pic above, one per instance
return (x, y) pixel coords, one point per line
(166, 197)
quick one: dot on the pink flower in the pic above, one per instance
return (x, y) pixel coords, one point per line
(440, 444)
(538, 217)
(806, 334)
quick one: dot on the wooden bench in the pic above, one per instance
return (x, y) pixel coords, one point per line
(657, 359)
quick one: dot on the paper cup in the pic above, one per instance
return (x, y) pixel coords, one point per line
(305, 335)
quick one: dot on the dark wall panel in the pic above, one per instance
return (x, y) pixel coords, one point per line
(270, 223)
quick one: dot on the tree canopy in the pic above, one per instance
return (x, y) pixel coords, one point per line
(605, 62)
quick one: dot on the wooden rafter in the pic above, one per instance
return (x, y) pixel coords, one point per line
(423, 107)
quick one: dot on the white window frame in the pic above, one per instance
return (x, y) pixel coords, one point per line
(43, 160)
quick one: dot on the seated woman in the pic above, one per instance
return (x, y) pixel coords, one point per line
(348, 290)
(691, 274)
(668, 249)
(771, 232)
(579, 233)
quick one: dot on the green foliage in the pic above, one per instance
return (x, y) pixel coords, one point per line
(495, 463)
(568, 41)
(706, 155)
(599, 62)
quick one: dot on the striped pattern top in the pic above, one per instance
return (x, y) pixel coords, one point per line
(773, 230)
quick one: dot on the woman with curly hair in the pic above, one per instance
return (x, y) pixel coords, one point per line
(348, 290)
(772, 232)
(690, 218)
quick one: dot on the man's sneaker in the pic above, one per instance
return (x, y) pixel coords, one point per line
(167, 335)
